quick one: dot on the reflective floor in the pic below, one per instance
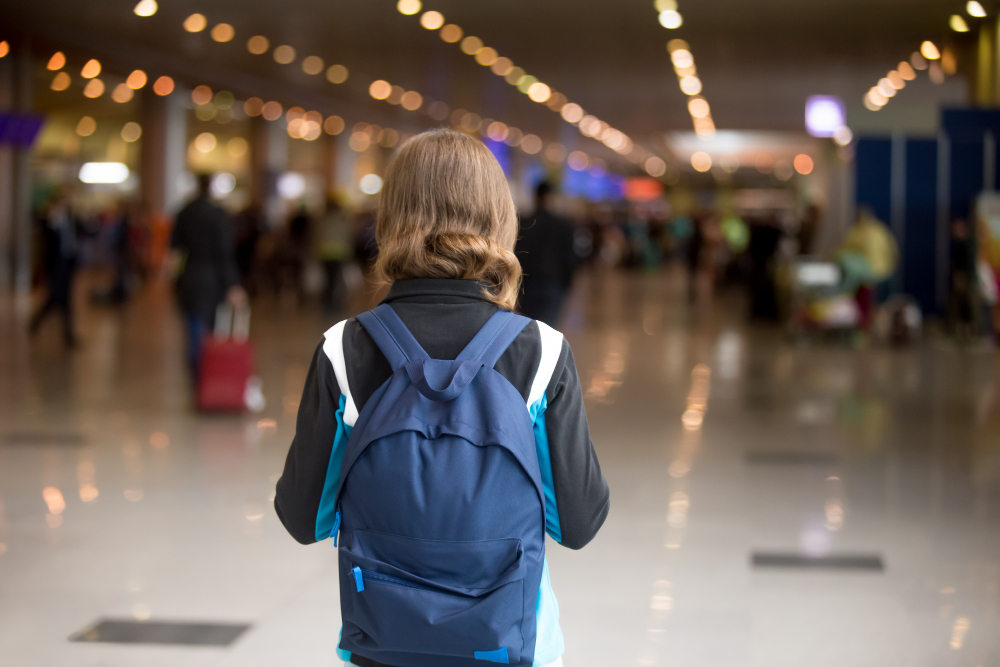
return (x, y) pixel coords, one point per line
(772, 504)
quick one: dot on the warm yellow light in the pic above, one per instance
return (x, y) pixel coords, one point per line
(514, 75)
(253, 106)
(693, 419)
(958, 24)
(271, 110)
(223, 32)
(682, 58)
(871, 102)
(295, 113)
(61, 81)
(163, 86)
(408, 7)
(122, 93)
(93, 89)
(4, 48)
(690, 85)
(886, 88)
(675, 44)
(201, 95)
(57, 61)
(698, 107)
(486, 56)
(205, 142)
(471, 45)
(671, 19)
(145, 8)
(432, 20)
(336, 74)
(380, 89)
(906, 71)
(91, 69)
(502, 66)
(929, 50)
(556, 102)
(131, 131)
(803, 164)
(572, 113)
(531, 144)
(497, 131)
(396, 95)
(284, 54)
(701, 161)
(974, 8)
(333, 125)
(195, 23)
(525, 83)
(555, 152)
(665, 5)
(539, 92)
(86, 127)
(451, 33)
(258, 45)
(312, 65)
(896, 79)
(411, 100)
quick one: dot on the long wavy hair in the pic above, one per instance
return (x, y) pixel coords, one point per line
(446, 212)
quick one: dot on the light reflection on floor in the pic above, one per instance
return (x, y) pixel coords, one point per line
(717, 440)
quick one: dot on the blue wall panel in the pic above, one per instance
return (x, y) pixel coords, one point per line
(873, 158)
(919, 252)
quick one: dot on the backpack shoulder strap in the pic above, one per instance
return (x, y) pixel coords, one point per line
(391, 335)
(552, 343)
(494, 338)
(333, 346)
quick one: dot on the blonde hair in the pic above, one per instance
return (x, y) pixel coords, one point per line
(446, 212)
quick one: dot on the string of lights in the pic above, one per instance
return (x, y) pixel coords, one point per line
(926, 58)
(687, 77)
(537, 91)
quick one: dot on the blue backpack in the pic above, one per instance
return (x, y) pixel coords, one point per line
(440, 508)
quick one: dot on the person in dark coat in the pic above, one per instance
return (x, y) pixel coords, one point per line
(59, 240)
(548, 262)
(206, 262)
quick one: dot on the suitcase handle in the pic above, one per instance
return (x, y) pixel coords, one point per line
(232, 322)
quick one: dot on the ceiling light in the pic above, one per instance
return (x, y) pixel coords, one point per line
(408, 7)
(122, 93)
(131, 131)
(451, 33)
(691, 85)
(929, 50)
(671, 19)
(682, 58)
(93, 89)
(843, 136)
(698, 107)
(258, 44)
(163, 86)
(91, 69)
(539, 92)
(380, 89)
(896, 80)
(223, 32)
(701, 161)
(57, 61)
(370, 184)
(974, 8)
(145, 8)
(205, 142)
(61, 81)
(284, 54)
(803, 164)
(103, 172)
(312, 65)
(4, 48)
(195, 23)
(432, 20)
(86, 127)
(486, 56)
(906, 71)
(958, 24)
(572, 113)
(886, 88)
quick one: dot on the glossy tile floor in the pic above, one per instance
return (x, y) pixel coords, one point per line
(719, 442)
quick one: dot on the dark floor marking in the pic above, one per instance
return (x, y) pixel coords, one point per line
(793, 458)
(42, 438)
(792, 560)
(161, 632)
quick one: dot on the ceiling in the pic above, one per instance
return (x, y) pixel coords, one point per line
(758, 59)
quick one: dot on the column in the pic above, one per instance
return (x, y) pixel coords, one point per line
(24, 103)
(164, 142)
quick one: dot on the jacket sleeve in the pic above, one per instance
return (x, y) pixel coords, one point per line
(581, 494)
(304, 495)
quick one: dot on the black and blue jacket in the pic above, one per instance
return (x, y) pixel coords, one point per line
(444, 315)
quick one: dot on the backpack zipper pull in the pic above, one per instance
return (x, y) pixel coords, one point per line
(336, 528)
(359, 582)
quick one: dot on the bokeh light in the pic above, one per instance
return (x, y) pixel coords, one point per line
(258, 45)
(195, 23)
(336, 74)
(380, 89)
(205, 142)
(163, 86)
(223, 32)
(451, 33)
(432, 20)
(86, 126)
(284, 54)
(803, 164)
(93, 89)
(56, 62)
(701, 161)
(61, 81)
(136, 80)
(91, 69)
(408, 7)
(312, 65)
(131, 131)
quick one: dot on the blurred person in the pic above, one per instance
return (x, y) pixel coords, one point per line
(548, 261)
(765, 237)
(962, 278)
(435, 522)
(60, 248)
(334, 249)
(249, 227)
(205, 264)
(868, 256)
(694, 255)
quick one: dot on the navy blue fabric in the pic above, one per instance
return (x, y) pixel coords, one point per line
(442, 507)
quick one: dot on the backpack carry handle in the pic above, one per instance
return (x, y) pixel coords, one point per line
(428, 376)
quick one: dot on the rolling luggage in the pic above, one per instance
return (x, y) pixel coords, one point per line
(226, 363)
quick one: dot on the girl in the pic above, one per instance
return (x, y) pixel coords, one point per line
(446, 230)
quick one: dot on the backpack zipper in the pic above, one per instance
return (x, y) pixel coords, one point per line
(336, 528)
(360, 574)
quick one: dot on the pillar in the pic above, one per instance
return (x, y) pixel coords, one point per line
(164, 142)
(21, 200)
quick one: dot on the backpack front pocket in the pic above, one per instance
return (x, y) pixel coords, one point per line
(406, 595)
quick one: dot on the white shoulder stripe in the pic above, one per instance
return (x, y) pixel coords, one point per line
(333, 346)
(552, 342)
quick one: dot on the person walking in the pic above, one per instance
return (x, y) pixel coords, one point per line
(334, 248)
(60, 248)
(205, 265)
(440, 435)
(548, 261)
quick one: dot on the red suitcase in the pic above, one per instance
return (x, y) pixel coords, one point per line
(226, 364)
